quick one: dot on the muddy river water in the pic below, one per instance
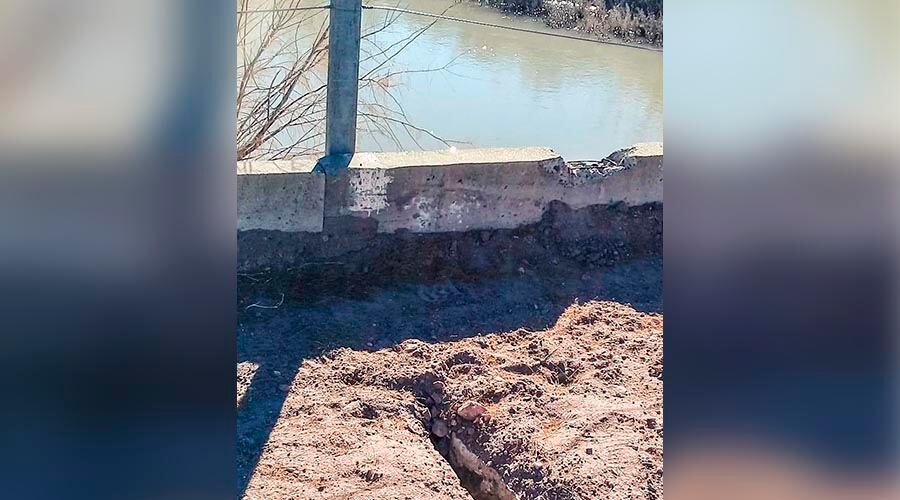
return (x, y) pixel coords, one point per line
(502, 88)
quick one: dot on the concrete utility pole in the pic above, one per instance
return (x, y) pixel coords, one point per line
(343, 77)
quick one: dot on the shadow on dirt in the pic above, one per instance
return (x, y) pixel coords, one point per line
(278, 329)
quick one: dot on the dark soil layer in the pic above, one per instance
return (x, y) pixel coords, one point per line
(350, 256)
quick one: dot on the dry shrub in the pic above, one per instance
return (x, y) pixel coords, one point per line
(281, 86)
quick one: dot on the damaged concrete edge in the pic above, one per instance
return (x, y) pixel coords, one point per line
(453, 190)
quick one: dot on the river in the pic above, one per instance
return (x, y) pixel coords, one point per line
(507, 88)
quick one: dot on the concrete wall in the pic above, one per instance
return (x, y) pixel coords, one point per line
(280, 196)
(442, 191)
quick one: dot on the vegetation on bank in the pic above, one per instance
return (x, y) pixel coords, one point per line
(632, 21)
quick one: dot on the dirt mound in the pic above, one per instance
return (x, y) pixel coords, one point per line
(573, 411)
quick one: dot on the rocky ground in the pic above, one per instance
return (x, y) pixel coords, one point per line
(530, 386)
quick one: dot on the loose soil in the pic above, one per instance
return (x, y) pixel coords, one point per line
(538, 385)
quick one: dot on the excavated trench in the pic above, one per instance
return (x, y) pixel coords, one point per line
(482, 481)
(443, 423)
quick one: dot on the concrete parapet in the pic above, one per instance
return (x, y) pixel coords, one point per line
(449, 191)
(442, 191)
(280, 196)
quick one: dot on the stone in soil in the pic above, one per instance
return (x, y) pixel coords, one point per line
(470, 411)
(439, 428)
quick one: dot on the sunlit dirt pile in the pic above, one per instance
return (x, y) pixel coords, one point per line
(573, 411)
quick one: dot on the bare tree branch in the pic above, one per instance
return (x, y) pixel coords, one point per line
(281, 94)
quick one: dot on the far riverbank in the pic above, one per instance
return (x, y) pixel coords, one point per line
(632, 22)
